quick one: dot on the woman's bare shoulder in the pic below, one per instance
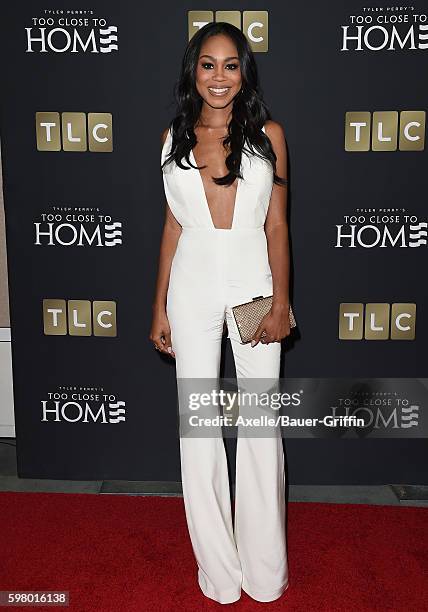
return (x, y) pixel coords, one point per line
(164, 135)
(274, 130)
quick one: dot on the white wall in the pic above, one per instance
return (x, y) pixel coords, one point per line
(7, 417)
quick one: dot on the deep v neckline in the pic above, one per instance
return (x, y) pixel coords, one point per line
(205, 199)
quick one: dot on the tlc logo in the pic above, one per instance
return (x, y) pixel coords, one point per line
(382, 130)
(379, 323)
(74, 132)
(79, 318)
(254, 25)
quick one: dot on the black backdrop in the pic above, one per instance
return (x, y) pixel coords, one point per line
(309, 84)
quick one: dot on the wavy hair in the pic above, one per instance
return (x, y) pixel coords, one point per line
(249, 111)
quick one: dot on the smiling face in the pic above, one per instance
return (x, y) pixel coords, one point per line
(218, 73)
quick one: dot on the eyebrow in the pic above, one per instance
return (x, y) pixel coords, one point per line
(225, 59)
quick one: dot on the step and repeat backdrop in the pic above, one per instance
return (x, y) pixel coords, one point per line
(87, 91)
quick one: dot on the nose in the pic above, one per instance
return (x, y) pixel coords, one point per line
(219, 74)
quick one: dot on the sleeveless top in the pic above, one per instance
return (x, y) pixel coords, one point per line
(185, 192)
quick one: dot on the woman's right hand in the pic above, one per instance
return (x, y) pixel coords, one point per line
(160, 333)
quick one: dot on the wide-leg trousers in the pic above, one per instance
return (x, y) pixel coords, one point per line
(251, 553)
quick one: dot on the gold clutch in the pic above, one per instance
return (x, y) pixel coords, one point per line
(249, 315)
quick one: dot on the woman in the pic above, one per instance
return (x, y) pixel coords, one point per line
(225, 240)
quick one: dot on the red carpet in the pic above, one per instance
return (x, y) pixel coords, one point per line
(132, 553)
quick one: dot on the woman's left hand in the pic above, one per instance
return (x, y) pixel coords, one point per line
(276, 324)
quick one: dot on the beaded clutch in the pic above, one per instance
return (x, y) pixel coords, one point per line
(249, 315)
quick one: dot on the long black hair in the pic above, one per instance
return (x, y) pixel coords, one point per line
(249, 111)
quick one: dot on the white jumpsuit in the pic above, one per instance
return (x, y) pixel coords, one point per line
(212, 270)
